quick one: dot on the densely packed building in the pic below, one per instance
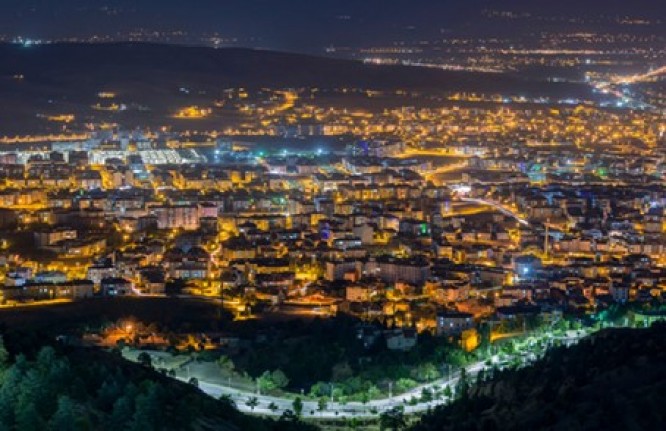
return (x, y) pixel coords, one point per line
(426, 218)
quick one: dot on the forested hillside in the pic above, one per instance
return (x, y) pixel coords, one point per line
(615, 380)
(62, 388)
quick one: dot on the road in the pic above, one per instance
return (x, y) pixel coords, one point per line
(640, 77)
(370, 409)
(334, 409)
(501, 208)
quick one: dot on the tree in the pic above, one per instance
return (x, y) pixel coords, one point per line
(108, 393)
(298, 406)
(45, 358)
(447, 391)
(480, 376)
(4, 355)
(193, 381)
(226, 364)
(147, 410)
(463, 384)
(252, 402)
(425, 372)
(393, 419)
(280, 379)
(374, 392)
(145, 359)
(122, 413)
(318, 389)
(338, 394)
(426, 395)
(28, 417)
(65, 417)
(265, 381)
(228, 401)
(288, 416)
(403, 385)
(273, 407)
(457, 357)
(322, 404)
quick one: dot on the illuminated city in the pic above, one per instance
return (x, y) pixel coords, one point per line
(417, 217)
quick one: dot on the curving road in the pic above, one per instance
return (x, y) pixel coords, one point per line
(501, 208)
(356, 409)
(334, 409)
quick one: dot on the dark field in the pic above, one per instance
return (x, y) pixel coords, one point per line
(174, 313)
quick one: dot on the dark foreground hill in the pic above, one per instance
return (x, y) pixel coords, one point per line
(64, 388)
(615, 380)
(66, 78)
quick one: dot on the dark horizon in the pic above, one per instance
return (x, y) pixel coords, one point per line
(303, 26)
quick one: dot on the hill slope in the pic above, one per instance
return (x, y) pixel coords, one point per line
(64, 388)
(613, 381)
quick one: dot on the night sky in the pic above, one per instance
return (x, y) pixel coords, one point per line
(293, 25)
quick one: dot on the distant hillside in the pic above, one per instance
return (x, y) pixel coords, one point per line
(613, 381)
(63, 78)
(95, 65)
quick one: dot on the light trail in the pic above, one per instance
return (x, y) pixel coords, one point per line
(639, 77)
(499, 207)
(410, 63)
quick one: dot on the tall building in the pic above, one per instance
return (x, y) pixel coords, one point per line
(177, 217)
